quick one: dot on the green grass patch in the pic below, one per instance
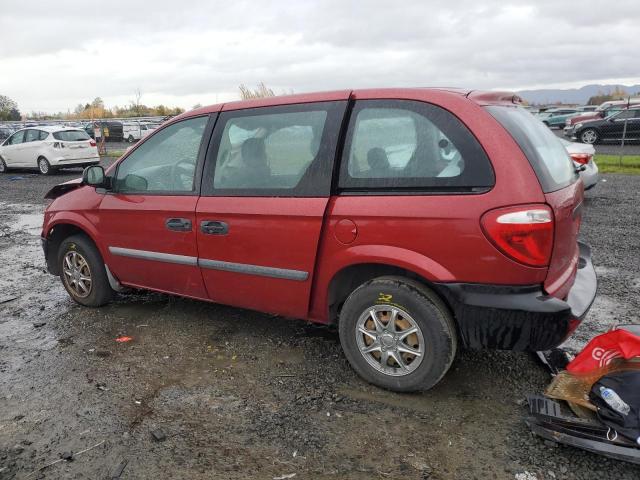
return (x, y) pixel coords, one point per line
(114, 153)
(628, 164)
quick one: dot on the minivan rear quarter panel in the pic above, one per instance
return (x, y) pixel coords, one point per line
(439, 234)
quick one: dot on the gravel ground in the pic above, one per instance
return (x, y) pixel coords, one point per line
(233, 394)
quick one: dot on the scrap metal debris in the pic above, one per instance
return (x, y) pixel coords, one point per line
(123, 339)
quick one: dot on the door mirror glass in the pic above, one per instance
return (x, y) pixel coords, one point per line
(93, 175)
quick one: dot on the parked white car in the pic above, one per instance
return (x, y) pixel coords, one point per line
(48, 149)
(135, 131)
(582, 156)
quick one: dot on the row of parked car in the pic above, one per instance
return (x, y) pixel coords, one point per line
(610, 121)
(113, 130)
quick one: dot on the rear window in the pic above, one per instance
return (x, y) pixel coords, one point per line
(71, 135)
(543, 149)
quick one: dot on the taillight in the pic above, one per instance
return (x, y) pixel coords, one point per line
(581, 158)
(523, 233)
(92, 143)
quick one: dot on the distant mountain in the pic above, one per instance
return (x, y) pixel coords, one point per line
(574, 95)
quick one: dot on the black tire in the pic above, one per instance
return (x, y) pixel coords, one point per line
(130, 139)
(3, 166)
(100, 292)
(589, 136)
(44, 167)
(428, 313)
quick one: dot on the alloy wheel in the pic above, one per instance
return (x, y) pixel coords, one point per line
(390, 340)
(589, 136)
(77, 274)
(43, 165)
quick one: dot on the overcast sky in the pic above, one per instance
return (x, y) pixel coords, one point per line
(54, 55)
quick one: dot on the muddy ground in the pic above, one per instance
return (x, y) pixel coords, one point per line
(237, 394)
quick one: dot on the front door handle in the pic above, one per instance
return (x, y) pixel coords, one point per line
(178, 224)
(214, 227)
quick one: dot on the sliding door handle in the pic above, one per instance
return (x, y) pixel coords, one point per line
(178, 224)
(214, 227)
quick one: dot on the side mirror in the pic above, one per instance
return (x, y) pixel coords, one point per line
(94, 176)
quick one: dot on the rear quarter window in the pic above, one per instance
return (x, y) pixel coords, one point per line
(543, 149)
(401, 145)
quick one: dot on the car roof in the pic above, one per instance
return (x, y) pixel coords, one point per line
(50, 128)
(478, 96)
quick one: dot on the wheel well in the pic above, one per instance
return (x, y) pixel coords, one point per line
(55, 236)
(348, 279)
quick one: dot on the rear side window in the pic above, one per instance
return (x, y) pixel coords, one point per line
(284, 150)
(397, 144)
(547, 155)
(31, 136)
(43, 135)
(71, 135)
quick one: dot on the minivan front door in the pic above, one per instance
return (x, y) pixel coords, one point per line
(148, 220)
(265, 191)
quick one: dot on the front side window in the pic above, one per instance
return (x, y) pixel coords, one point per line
(406, 144)
(164, 163)
(16, 138)
(275, 151)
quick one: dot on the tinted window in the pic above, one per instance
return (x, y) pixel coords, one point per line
(275, 151)
(414, 145)
(547, 155)
(71, 135)
(166, 162)
(43, 135)
(16, 138)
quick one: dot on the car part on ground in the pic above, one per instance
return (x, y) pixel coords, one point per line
(548, 422)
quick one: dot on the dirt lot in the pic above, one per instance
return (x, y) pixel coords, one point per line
(239, 394)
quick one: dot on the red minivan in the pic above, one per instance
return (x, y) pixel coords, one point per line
(416, 220)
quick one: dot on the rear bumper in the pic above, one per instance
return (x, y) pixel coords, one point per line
(521, 317)
(75, 162)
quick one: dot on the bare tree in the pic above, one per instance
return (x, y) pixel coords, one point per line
(135, 104)
(262, 91)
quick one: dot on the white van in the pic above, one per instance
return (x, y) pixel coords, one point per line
(133, 131)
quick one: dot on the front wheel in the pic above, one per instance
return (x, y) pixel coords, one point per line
(130, 139)
(397, 334)
(44, 166)
(3, 166)
(83, 273)
(589, 136)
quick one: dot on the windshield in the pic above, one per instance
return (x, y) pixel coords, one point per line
(71, 135)
(547, 155)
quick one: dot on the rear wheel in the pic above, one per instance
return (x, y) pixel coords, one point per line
(44, 166)
(397, 334)
(3, 166)
(83, 273)
(589, 136)
(130, 139)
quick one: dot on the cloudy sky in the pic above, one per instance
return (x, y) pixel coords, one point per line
(54, 55)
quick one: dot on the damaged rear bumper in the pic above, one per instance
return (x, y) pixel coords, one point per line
(521, 317)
